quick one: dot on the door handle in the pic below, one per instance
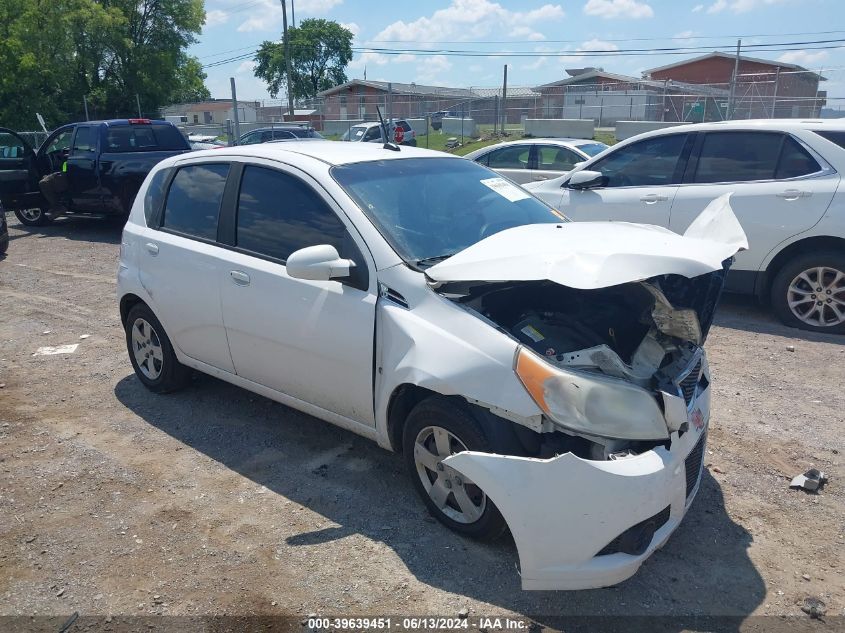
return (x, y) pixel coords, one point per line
(239, 277)
(794, 194)
(152, 249)
(651, 198)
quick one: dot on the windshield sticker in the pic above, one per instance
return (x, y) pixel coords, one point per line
(505, 189)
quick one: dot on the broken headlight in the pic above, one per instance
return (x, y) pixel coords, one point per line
(591, 403)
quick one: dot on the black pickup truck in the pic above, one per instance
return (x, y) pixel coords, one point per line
(105, 161)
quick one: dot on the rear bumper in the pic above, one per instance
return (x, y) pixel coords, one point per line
(564, 511)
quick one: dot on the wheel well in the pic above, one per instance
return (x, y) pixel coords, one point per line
(127, 302)
(402, 400)
(807, 245)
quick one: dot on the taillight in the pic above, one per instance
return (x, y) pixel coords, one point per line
(139, 122)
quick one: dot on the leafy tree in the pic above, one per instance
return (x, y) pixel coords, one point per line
(319, 50)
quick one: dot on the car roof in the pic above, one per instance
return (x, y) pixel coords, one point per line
(329, 152)
(281, 126)
(562, 142)
(781, 125)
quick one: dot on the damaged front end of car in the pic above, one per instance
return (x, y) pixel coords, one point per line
(617, 367)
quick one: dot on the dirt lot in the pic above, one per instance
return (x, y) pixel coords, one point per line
(115, 501)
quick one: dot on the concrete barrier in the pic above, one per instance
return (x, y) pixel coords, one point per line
(454, 126)
(338, 126)
(561, 128)
(627, 129)
(419, 126)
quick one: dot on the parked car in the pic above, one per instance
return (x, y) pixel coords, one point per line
(105, 161)
(400, 131)
(4, 231)
(567, 357)
(536, 159)
(785, 176)
(279, 132)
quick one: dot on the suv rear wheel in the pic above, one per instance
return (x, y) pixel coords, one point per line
(151, 352)
(33, 217)
(435, 429)
(809, 292)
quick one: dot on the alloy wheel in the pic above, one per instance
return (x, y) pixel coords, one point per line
(33, 215)
(146, 347)
(454, 495)
(817, 296)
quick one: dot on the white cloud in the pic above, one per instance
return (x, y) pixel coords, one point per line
(608, 9)
(431, 70)
(598, 46)
(698, 8)
(266, 15)
(215, 17)
(351, 26)
(740, 6)
(526, 32)
(246, 67)
(684, 37)
(803, 58)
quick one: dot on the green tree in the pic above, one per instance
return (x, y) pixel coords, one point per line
(319, 51)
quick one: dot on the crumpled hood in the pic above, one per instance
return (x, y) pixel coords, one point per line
(588, 255)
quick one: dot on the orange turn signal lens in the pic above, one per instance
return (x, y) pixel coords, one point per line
(533, 372)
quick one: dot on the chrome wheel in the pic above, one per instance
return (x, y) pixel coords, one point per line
(33, 215)
(146, 348)
(817, 296)
(454, 495)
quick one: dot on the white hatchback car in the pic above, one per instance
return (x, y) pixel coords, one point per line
(530, 160)
(535, 373)
(786, 180)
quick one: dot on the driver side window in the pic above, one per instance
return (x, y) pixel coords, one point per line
(515, 157)
(60, 142)
(651, 162)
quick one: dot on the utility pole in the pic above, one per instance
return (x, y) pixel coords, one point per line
(85, 105)
(292, 14)
(138, 102)
(505, 99)
(237, 138)
(732, 94)
(775, 92)
(287, 58)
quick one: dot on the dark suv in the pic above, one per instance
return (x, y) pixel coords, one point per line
(278, 133)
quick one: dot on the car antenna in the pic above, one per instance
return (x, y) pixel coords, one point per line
(384, 135)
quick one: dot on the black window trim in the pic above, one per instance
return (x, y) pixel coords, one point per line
(229, 208)
(688, 180)
(158, 222)
(680, 169)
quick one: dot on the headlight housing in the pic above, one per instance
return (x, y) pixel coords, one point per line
(589, 403)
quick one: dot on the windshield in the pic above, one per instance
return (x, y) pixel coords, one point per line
(430, 208)
(591, 149)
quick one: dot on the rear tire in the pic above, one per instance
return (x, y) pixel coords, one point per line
(151, 352)
(33, 217)
(809, 292)
(435, 428)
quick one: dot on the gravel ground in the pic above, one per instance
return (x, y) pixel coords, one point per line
(215, 501)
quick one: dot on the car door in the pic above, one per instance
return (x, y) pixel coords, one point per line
(181, 263)
(312, 340)
(19, 173)
(779, 187)
(553, 161)
(513, 161)
(83, 173)
(640, 181)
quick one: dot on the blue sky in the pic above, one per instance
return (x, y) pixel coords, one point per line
(572, 27)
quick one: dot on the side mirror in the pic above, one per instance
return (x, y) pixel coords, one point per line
(317, 263)
(585, 179)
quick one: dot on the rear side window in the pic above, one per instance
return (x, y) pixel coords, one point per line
(834, 137)
(155, 194)
(515, 157)
(556, 158)
(144, 138)
(193, 203)
(84, 141)
(738, 157)
(795, 161)
(279, 214)
(11, 146)
(650, 162)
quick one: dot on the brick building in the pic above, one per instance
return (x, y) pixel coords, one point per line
(357, 99)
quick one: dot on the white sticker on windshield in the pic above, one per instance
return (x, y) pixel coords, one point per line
(505, 189)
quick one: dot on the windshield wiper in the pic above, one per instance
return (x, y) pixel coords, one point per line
(430, 261)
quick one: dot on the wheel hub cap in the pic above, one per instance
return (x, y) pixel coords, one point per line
(146, 347)
(455, 496)
(817, 296)
(31, 214)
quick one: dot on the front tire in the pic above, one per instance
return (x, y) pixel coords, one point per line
(435, 429)
(809, 292)
(151, 352)
(35, 216)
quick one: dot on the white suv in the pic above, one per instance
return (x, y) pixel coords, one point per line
(535, 373)
(785, 176)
